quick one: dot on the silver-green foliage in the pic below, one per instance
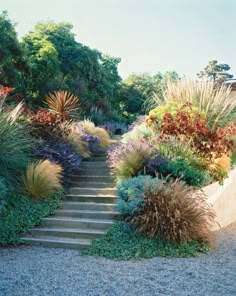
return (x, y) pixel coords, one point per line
(131, 194)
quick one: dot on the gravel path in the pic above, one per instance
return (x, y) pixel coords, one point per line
(32, 271)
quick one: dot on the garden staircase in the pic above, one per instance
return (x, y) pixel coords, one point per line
(85, 214)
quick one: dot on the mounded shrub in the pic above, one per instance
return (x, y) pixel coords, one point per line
(174, 213)
(131, 194)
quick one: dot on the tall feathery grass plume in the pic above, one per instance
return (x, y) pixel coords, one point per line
(216, 103)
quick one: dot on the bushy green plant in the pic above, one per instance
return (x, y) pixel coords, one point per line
(138, 132)
(21, 213)
(131, 194)
(179, 168)
(15, 147)
(177, 147)
(3, 191)
(171, 107)
(175, 212)
(123, 243)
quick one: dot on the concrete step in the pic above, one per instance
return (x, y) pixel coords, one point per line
(87, 184)
(92, 191)
(94, 165)
(66, 232)
(91, 178)
(83, 223)
(90, 206)
(96, 158)
(102, 198)
(57, 242)
(93, 171)
(105, 215)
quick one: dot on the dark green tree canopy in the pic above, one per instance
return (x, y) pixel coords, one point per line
(217, 72)
(12, 61)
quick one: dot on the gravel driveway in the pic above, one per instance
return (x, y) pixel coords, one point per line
(32, 271)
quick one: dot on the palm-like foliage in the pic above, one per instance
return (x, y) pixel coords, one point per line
(216, 104)
(41, 179)
(62, 103)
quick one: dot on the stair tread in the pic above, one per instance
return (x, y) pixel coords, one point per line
(86, 220)
(89, 203)
(86, 211)
(64, 229)
(58, 240)
(93, 195)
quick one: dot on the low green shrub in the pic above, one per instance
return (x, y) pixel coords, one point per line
(3, 191)
(22, 213)
(123, 243)
(179, 168)
(131, 194)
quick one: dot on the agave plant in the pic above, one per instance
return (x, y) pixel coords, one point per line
(62, 103)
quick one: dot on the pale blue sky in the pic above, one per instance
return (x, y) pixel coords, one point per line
(148, 35)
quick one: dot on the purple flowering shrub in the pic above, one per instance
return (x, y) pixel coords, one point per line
(153, 165)
(60, 153)
(92, 140)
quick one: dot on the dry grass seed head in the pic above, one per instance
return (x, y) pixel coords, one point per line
(175, 213)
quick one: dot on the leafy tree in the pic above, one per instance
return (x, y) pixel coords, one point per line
(139, 88)
(217, 72)
(12, 62)
(60, 62)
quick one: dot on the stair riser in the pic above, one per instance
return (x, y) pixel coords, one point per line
(87, 178)
(92, 184)
(58, 245)
(97, 215)
(88, 207)
(96, 159)
(76, 235)
(92, 191)
(94, 172)
(76, 224)
(96, 165)
(97, 199)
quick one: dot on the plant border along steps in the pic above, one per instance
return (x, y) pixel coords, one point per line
(85, 214)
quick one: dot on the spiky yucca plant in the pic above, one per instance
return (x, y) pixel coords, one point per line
(41, 179)
(62, 102)
(175, 213)
(216, 104)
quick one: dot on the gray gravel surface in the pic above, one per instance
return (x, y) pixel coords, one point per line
(40, 271)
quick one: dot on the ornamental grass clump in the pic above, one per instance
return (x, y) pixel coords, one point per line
(41, 179)
(175, 213)
(15, 147)
(128, 160)
(217, 104)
